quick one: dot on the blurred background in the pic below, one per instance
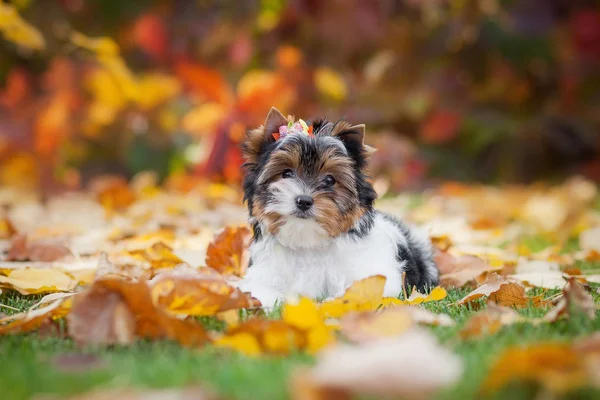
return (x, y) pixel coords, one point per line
(467, 90)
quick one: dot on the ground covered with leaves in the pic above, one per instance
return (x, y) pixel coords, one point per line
(129, 289)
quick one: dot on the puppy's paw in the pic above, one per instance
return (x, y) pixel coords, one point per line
(267, 297)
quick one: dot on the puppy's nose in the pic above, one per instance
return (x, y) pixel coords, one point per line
(304, 202)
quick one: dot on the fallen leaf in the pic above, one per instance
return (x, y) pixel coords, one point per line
(393, 367)
(368, 326)
(35, 317)
(489, 321)
(462, 270)
(200, 291)
(499, 291)
(158, 256)
(114, 310)
(555, 366)
(574, 299)
(130, 271)
(228, 252)
(363, 295)
(100, 316)
(38, 280)
(242, 341)
(309, 318)
(271, 336)
(539, 274)
(436, 294)
(44, 250)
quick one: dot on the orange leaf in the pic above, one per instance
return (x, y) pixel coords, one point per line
(500, 291)
(114, 310)
(197, 292)
(206, 81)
(553, 365)
(34, 318)
(228, 252)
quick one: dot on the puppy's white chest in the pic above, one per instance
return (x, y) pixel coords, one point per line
(279, 271)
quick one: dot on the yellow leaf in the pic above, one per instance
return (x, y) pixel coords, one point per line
(19, 31)
(363, 295)
(104, 88)
(437, 293)
(242, 342)
(319, 337)
(255, 81)
(103, 46)
(304, 315)
(204, 119)
(154, 89)
(38, 280)
(19, 170)
(330, 83)
(196, 292)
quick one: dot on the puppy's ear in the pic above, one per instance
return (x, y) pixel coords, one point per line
(257, 138)
(353, 138)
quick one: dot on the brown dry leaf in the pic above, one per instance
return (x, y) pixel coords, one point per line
(228, 252)
(370, 325)
(44, 250)
(574, 299)
(499, 291)
(130, 271)
(200, 291)
(462, 270)
(114, 310)
(412, 365)
(489, 321)
(34, 318)
(555, 366)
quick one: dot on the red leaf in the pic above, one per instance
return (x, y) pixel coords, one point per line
(441, 127)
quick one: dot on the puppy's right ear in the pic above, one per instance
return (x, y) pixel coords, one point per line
(257, 138)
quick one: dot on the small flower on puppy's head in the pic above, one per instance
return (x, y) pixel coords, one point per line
(299, 127)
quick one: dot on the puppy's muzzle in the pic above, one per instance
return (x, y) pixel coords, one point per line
(304, 202)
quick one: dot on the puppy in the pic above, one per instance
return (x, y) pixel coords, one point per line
(311, 210)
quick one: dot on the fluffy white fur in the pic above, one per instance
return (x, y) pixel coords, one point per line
(324, 267)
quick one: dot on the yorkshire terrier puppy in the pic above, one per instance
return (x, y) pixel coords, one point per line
(311, 210)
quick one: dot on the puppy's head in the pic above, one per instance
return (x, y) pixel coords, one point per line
(306, 189)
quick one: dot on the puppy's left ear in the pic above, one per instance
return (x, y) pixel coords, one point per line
(256, 139)
(354, 140)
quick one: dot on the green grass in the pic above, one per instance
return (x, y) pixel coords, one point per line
(29, 364)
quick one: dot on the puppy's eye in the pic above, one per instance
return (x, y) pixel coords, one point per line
(288, 173)
(329, 180)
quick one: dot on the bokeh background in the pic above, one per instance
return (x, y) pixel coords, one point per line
(468, 90)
